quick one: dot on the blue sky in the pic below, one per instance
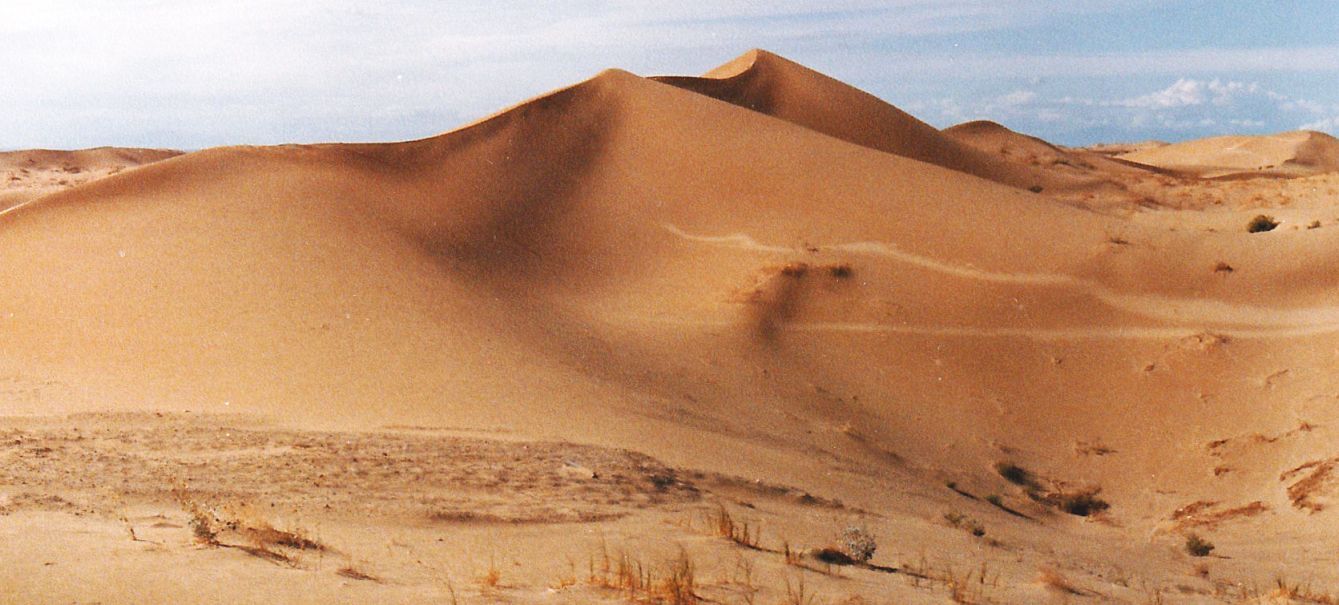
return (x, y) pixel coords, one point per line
(193, 73)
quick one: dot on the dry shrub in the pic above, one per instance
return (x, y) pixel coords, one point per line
(859, 544)
(210, 525)
(1016, 475)
(723, 525)
(354, 573)
(1052, 580)
(1083, 502)
(1261, 223)
(965, 523)
(1197, 546)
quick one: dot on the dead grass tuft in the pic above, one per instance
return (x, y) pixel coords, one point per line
(1053, 581)
(724, 525)
(354, 573)
(674, 584)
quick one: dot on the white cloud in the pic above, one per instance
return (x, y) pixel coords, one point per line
(1187, 92)
(1187, 107)
(1310, 59)
(1330, 125)
(1017, 97)
(1180, 94)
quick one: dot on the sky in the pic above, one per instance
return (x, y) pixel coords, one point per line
(190, 74)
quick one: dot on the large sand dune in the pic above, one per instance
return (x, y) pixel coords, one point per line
(761, 273)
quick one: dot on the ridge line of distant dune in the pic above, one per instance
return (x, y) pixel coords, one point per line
(1164, 308)
(1046, 334)
(20, 205)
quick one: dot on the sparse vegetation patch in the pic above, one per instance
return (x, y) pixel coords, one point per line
(1261, 223)
(1197, 546)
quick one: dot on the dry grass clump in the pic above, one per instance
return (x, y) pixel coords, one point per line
(1083, 502)
(491, 578)
(209, 526)
(675, 583)
(353, 573)
(1053, 581)
(970, 587)
(1299, 593)
(965, 523)
(797, 593)
(724, 525)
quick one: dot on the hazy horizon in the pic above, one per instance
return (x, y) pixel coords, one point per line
(190, 75)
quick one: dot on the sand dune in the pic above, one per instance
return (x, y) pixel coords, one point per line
(773, 85)
(1299, 153)
(762, 262)
(994, 138)
(32, 173)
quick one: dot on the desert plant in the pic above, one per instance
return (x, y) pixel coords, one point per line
(797, 593)
(680, 584)
(859, 544)
(353, 573)
(1197, 546)
(492, 577)
(1015, 474)
(740, 532)
(965, 523)
(1261, 223)
(1081, 503)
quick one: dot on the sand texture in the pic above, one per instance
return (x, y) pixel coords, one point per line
(664, 340)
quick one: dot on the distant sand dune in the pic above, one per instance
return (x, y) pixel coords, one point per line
(1299, 153)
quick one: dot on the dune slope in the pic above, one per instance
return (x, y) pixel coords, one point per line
(630, 263)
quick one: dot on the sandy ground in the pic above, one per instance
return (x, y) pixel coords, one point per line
(674, 340)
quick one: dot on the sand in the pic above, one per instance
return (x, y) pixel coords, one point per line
(497, 362)
(29, 174)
